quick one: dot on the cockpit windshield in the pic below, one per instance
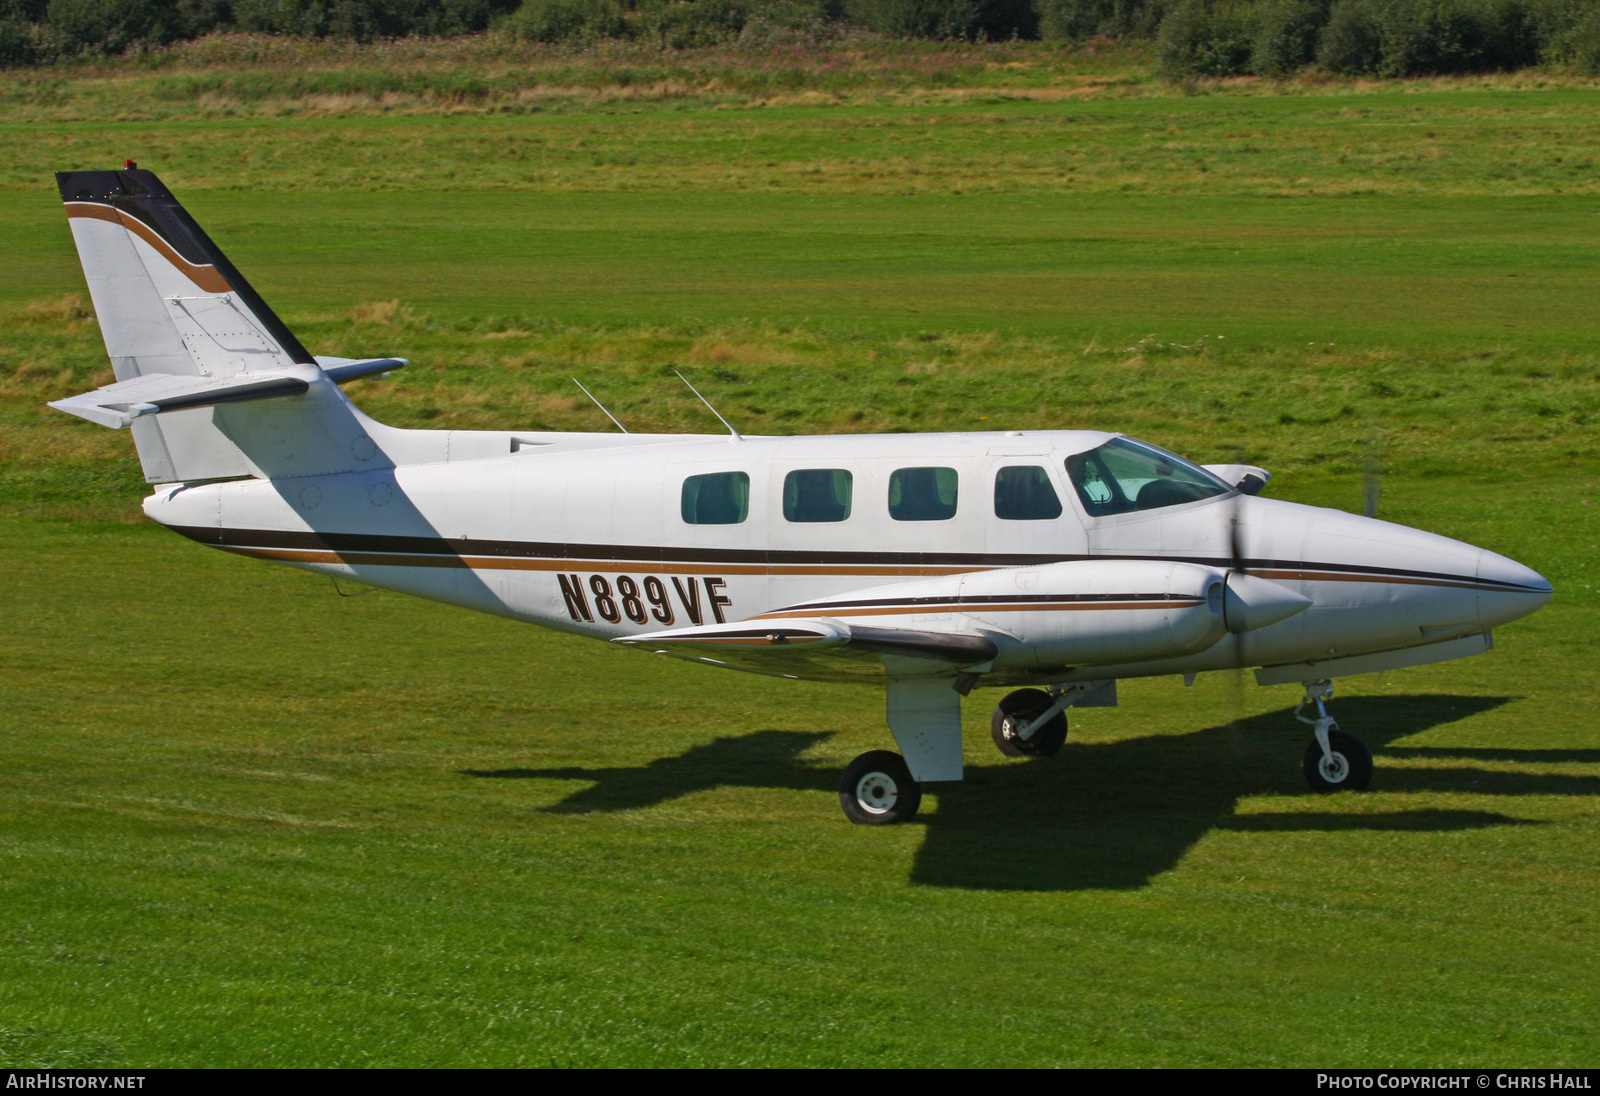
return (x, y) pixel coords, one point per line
(1125, 475)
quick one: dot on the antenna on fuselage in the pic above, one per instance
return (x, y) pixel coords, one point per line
(736, 435)
(600, 405)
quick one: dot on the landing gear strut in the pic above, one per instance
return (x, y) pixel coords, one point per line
(1031, 722)
(877, 790)
(1335, 760)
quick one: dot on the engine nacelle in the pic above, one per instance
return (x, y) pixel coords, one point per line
(1100, 612)
(1083, 612)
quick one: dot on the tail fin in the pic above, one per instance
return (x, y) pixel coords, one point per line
(172, 307)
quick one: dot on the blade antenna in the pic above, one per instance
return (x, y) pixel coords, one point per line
(1377, 449)
(600, 405)
(736, 435)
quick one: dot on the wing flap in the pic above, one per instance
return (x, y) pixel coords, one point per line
(817, 648)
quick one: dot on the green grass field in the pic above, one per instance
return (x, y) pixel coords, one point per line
(244, 821)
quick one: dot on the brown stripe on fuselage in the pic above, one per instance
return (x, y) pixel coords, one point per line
(743, 641)
(204, 276)
(602, 566)
(375, 550)
(987, 607)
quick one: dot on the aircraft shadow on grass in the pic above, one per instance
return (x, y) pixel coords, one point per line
(1113, 815)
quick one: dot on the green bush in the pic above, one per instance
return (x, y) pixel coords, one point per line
(566, 20)
(1568, 32)
(360, 19)
(1286, 35)
(1428, 37)
(947, 19)
(16, 43)
(1349, 43)
(111, 26)
(1511, 35)
(1079, 19)
(681, 24)
(1207, 38)
(776, 21)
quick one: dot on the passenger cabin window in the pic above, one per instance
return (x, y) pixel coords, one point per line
(1124, 475)
(922, 494)
(719, 498)
(817, 494)
(1024, 493)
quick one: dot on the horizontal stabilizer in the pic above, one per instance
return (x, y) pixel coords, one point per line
(117, 405)
(343, 370)
(819, 647)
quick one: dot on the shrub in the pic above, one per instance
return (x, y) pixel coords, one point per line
(1286, 35)
(1080, 19)
(946, 19)
(360, 19)
(16, 43)
(111, 26)
(680, 24)
(1568, 32)
(793, 21)
(1207, 38)
(1349, 43)
(566, 20)
(1511, 35)
(1424, 37)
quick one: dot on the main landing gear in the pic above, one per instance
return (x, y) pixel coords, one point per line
(1030, 723)
(1335, 760)
(877, 790)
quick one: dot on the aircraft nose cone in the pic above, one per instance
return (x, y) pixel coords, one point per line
(1509, 591)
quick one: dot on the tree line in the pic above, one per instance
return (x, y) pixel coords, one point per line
(1194, 37)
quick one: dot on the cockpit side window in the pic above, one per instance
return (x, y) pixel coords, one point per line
(719, 498)
(1125, 475)
(1024, 493)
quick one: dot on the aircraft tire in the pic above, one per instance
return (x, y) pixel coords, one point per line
(1024, 702)
(1352, 767)
(877, 790)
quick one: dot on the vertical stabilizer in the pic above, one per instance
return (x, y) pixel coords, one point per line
(169, 302)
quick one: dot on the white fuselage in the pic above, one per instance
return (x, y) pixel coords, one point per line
(586, 533)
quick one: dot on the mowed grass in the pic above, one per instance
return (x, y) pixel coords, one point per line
(248, 822)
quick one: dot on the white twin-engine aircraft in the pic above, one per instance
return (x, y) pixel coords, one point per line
(1053, 561)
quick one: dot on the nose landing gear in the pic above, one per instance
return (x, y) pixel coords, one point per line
(1335, 760)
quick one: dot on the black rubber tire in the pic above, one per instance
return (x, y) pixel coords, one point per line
(877, 790)
(1046, 742)
(1352, 757)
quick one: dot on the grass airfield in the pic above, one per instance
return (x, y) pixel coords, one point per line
(247, 822)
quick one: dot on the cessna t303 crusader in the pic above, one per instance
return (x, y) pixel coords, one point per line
(1053, 562)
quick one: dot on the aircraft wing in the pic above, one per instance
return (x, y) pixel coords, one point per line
(820, 648)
